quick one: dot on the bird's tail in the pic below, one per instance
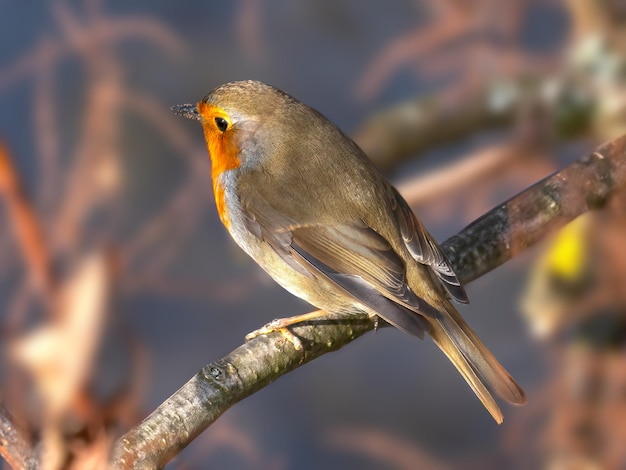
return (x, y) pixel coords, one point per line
(474, 361)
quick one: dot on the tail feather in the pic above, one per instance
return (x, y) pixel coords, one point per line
(480, 369)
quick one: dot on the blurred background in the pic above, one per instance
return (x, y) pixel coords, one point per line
(117, 281)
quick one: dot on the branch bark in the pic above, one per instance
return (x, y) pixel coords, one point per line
(508, 229)
(14, 446)
(484, 245)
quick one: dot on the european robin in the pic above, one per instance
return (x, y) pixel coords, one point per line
(305, 202)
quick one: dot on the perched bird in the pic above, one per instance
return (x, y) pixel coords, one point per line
(304, 201)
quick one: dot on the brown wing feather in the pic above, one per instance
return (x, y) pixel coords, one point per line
(424, 248)
(363, 293)
(363, 263)
(357, 250)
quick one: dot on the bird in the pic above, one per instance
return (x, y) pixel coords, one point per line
(305, 202)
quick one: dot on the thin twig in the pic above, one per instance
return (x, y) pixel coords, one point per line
(25, 223)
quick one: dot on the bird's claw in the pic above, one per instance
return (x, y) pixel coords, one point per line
(277, 326)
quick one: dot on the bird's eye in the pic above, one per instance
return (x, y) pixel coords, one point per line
(221, 123)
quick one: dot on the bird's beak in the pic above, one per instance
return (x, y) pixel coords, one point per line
(190, 111)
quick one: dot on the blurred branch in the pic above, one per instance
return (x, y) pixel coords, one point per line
(390, 451)
(410, 128)
(46, 52)
(565, 106)
(484, 245)
(455, 38)
(14, 447)
(154, 32)
(465, 173)
(61, 374)
(27, 230)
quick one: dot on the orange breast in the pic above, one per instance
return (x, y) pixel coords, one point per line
(223, 152)
(220, 203)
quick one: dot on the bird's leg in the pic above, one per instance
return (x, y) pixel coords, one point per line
(281, 325)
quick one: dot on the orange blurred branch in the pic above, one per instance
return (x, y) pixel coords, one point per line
(24, 222)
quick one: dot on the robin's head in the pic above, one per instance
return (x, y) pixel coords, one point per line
(249, 123)
(244, 101)
(231, 116)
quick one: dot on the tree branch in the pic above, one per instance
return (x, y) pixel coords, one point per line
(14, 447)
(484, 245)
(225, 382)
(507, 230)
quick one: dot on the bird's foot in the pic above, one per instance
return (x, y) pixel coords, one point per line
(281, 325)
